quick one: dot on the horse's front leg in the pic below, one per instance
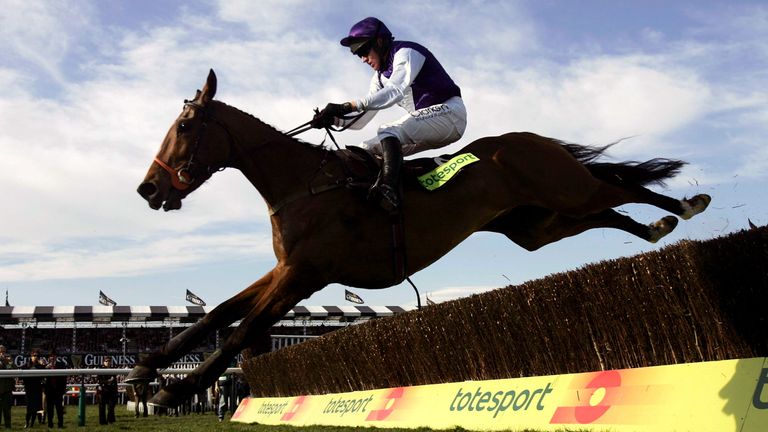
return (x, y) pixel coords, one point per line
(269, 307)
(221, 316)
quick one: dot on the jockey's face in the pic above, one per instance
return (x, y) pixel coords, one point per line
(372, 59)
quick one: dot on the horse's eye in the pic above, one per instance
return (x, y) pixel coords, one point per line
(183, 127)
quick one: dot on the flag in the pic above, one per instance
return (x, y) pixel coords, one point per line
(106, 301)
(6, 299)
(354, 298)
(192, 298)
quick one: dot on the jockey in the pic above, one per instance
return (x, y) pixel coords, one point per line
(407, 74)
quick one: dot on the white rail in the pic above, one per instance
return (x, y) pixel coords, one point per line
(21, 373)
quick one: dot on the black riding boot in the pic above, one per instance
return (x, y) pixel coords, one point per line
(388, 184)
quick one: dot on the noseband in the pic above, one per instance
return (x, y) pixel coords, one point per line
(181, 178)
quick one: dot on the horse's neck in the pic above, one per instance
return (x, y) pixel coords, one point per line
(277, 165)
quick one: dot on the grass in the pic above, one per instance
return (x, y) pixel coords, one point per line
(190, 423)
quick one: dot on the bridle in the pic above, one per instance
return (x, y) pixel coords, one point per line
(181, 178)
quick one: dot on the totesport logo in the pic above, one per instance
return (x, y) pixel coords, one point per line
(608, 397)
(595, 398)
(388, 404)
(294, 409)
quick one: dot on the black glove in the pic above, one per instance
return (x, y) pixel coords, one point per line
(325, 118)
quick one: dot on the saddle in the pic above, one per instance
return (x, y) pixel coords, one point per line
(362, 167)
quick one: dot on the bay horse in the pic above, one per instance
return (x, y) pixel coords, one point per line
(534, 190)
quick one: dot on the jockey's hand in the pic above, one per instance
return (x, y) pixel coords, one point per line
(326, 117)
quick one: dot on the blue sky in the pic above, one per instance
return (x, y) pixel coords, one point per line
(90, 88)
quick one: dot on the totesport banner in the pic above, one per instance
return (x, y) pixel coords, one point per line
(730, 395)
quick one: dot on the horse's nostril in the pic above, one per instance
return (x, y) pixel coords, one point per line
(146, 190)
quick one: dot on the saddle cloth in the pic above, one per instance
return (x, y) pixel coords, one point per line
(429, 172)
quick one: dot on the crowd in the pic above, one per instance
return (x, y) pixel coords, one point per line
(97, 339)
(43, 397)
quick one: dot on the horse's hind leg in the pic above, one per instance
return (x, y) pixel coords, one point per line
(221, 316)
(535, 227)
(613, 195)
(540, 172)
(685, 208)
(272, 303)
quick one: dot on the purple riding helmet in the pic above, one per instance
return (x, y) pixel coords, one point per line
(363, 33)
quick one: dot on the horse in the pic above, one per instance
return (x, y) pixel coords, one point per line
(532, 189)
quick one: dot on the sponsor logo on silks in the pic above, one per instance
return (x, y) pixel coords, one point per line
(440, 175)
(387, 406)
(500, 401)
(292, 411)
(595, 398)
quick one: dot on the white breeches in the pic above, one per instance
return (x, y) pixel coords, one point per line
(425, 129)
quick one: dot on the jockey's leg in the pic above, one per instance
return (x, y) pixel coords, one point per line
(387, 186)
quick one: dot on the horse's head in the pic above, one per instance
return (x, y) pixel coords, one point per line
(190, 153)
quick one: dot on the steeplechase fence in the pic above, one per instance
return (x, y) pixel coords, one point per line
(698, 307)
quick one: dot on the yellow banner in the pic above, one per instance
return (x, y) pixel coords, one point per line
(730, 395)
(440, 175)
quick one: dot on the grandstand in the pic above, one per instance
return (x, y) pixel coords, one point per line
(83, 335)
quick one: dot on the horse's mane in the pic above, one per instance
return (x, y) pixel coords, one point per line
(273, 128)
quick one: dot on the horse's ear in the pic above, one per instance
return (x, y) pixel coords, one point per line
(209, 89)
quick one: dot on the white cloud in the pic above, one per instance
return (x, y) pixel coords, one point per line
(592, 101)
(40, 262)
(42, 32)
(275, 18)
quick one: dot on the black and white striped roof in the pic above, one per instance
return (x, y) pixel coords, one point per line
(16, 314)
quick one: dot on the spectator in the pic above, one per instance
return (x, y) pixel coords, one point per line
(140, 394)
(224, 394)
(202, 401)
(6, 388)
(107, 392)
(243, 389)
(33, 388)
(55, 387)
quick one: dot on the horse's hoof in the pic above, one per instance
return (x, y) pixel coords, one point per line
(173, 395)
(141, 373)
(695, 205)
(165, 399)
(660, 228)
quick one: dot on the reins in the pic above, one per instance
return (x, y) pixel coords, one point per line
(308, 125)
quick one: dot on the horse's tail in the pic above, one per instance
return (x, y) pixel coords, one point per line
(654, 171)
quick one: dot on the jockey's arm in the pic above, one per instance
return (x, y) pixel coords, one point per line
(406, 66)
